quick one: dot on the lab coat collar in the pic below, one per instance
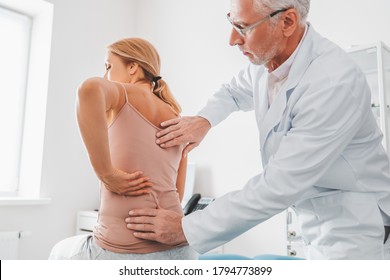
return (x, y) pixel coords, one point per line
(305, 56)
(283, 70)
(302, 61)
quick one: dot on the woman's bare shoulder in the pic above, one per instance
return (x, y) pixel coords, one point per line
(98, 82)
(96, 88)
(148, 104)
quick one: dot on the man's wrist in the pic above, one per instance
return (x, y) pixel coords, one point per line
(203, 125)
(204, 120)
(183, 238)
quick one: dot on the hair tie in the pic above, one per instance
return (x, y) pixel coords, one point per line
(155, 80)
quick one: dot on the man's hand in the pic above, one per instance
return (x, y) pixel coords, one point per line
(184, 130)
(159, 225)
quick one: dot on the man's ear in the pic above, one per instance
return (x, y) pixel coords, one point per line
(290, 20)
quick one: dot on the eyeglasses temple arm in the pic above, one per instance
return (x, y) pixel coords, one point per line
(277, 12)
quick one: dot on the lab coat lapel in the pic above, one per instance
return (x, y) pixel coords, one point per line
(303, 59)
(301, 63)
(263, 100)
(272, 117)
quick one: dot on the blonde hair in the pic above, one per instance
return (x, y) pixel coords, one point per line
(143, 53)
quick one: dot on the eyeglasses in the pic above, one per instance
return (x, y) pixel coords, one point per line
(243, 30)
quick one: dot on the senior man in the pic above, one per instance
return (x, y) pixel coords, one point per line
(320, 145)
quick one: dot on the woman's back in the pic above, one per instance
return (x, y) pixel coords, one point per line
(132, 147)
(119, 133)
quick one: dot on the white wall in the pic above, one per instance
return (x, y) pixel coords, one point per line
(352, 22)
(192, 38)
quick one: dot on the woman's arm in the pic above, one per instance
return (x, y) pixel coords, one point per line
(95, 97)
(181, 177)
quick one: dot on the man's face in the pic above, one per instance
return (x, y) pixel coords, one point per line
(259, 44)
(116, 70)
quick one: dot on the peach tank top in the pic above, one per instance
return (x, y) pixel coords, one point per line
(133, 148)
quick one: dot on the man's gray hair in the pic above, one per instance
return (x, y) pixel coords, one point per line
(302, 6)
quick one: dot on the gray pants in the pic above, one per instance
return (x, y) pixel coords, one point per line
(82, 247)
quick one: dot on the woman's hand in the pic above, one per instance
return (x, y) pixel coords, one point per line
(97, 96)
(123, 183)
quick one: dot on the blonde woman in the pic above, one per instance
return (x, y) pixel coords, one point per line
(118, 117)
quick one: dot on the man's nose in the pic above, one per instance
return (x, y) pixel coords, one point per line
(235, 38)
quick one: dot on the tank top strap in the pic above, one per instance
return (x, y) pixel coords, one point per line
(124, 88)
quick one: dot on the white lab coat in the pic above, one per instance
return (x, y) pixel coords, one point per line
(322, 154)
